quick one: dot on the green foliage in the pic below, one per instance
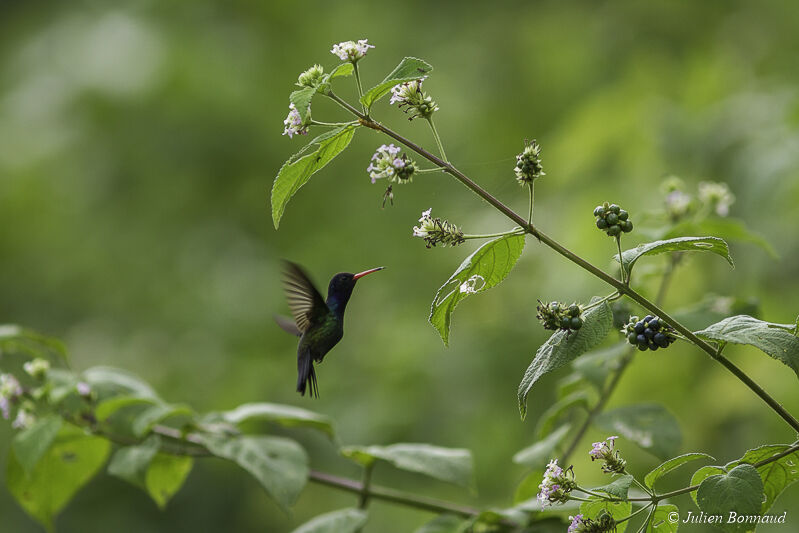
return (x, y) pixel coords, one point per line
(343, 521)
(773, 339)
(487, 266)
(538, 454)
(284, 415)
(108, 381)
(72, 460)
(453, 465)
(675, 462)
(296, 172)
(31, 444)
(301, 99)
(729, 229)
(131, 462)
(617, 510)
(663, 519)
(618, 487)
(740, 490)
(445, 523)
(280, 465)
(165, 475)
(555, 412)
(596, 365)
(409, 69)
(564, 346)
(678, 244)
(651, 426)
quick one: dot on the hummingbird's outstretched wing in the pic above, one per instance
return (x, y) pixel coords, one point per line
(305, 302)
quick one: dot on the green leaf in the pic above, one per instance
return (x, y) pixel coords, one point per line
(739, 491)
(618, 487)
(453, 465)
(528, 487)
(296, 172)
(617, 510)
(154, 414)
(777, 475)
(301, 99)
(72, 460)
(670, 465)
(131, 462)
(343, 521)
(564, 346)
(704, 473)
(713, 308)
(650, 426)
(768, 337)
(595, 366)
(409, 69)
(31, 444)
(166, 475)
(554, 413)
(445, 523)
(340, 71)
(666, 519)
(679, 244)
(107, 381)
(109, 407)
(483, 269)
(727, 228)
(280, 465)
(285, 415)
(540, 453)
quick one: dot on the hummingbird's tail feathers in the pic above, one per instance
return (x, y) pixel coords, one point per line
(306, 375)
(288, 325)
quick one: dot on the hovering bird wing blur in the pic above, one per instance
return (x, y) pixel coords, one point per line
(305, 302)
(288, 325)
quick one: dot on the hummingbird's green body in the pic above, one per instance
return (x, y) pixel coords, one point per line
(318, 323)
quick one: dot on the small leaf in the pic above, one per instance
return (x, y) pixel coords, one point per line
(296, 172)
(679, 244)
(152, 415)
(595, 366)
(617, 510)
(740, 491)
(72, 460)
(556, 411)
(483, 269)
(301, 99)
(31, 444)
(564, 346)
(665, 519)
(727, 228)
(704, 473)
(280, 465)
(343, 521)
(650, 426)
(166, 475)
(453, 465)
(107, 381)
(409, 69)
(670, 465)
(528, 487)
(777, 475)
(768, 337)
(131, 462)
(109, 407)
(340, 71)
(285, 415)
(618, 487)
(540, 453)
(445, 523)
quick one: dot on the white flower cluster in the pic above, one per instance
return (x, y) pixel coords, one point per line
(351, 50)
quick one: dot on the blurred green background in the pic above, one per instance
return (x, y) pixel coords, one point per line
(139, 141)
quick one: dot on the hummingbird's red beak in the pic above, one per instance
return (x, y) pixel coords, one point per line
(365, 272)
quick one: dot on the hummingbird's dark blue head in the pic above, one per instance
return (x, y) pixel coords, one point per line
(340, 289)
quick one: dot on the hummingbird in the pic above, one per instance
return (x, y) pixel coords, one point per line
(318, 323)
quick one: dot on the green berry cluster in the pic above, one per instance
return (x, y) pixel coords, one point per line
(528, 163)
(555, 315)
(650, 333)
(612, 219)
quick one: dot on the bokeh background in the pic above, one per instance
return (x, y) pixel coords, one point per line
(139, 141)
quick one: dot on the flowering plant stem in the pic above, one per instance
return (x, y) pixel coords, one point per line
(360, 87)
(619, 285)
(437, 138)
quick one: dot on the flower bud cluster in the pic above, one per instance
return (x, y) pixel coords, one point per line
(528, 163)
(294, 125)
(555, 315)
(10, 391)
(612, 219)
(312, 77)
(436, 231)
(556, 484)
(605, 451)
(603, 524)
(650, 333)
(417, 103)
(350, 50)
(388, 163)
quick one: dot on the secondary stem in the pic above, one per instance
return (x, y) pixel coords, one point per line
(532, 198)
(624, 275)
(579, 261)
(358, 82)
(438, 139)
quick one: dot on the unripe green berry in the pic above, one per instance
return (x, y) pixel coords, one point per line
(601, 224)
(612, 218)
(599, 211)
(626, 226)
(574, 310)
(623, 215)
(614, 230)
(576, 322)
(615, 209)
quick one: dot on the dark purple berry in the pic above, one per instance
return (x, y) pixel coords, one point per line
(654, 324)
(640, 339)
(639, 327)
(661, 340)
(649, 334)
